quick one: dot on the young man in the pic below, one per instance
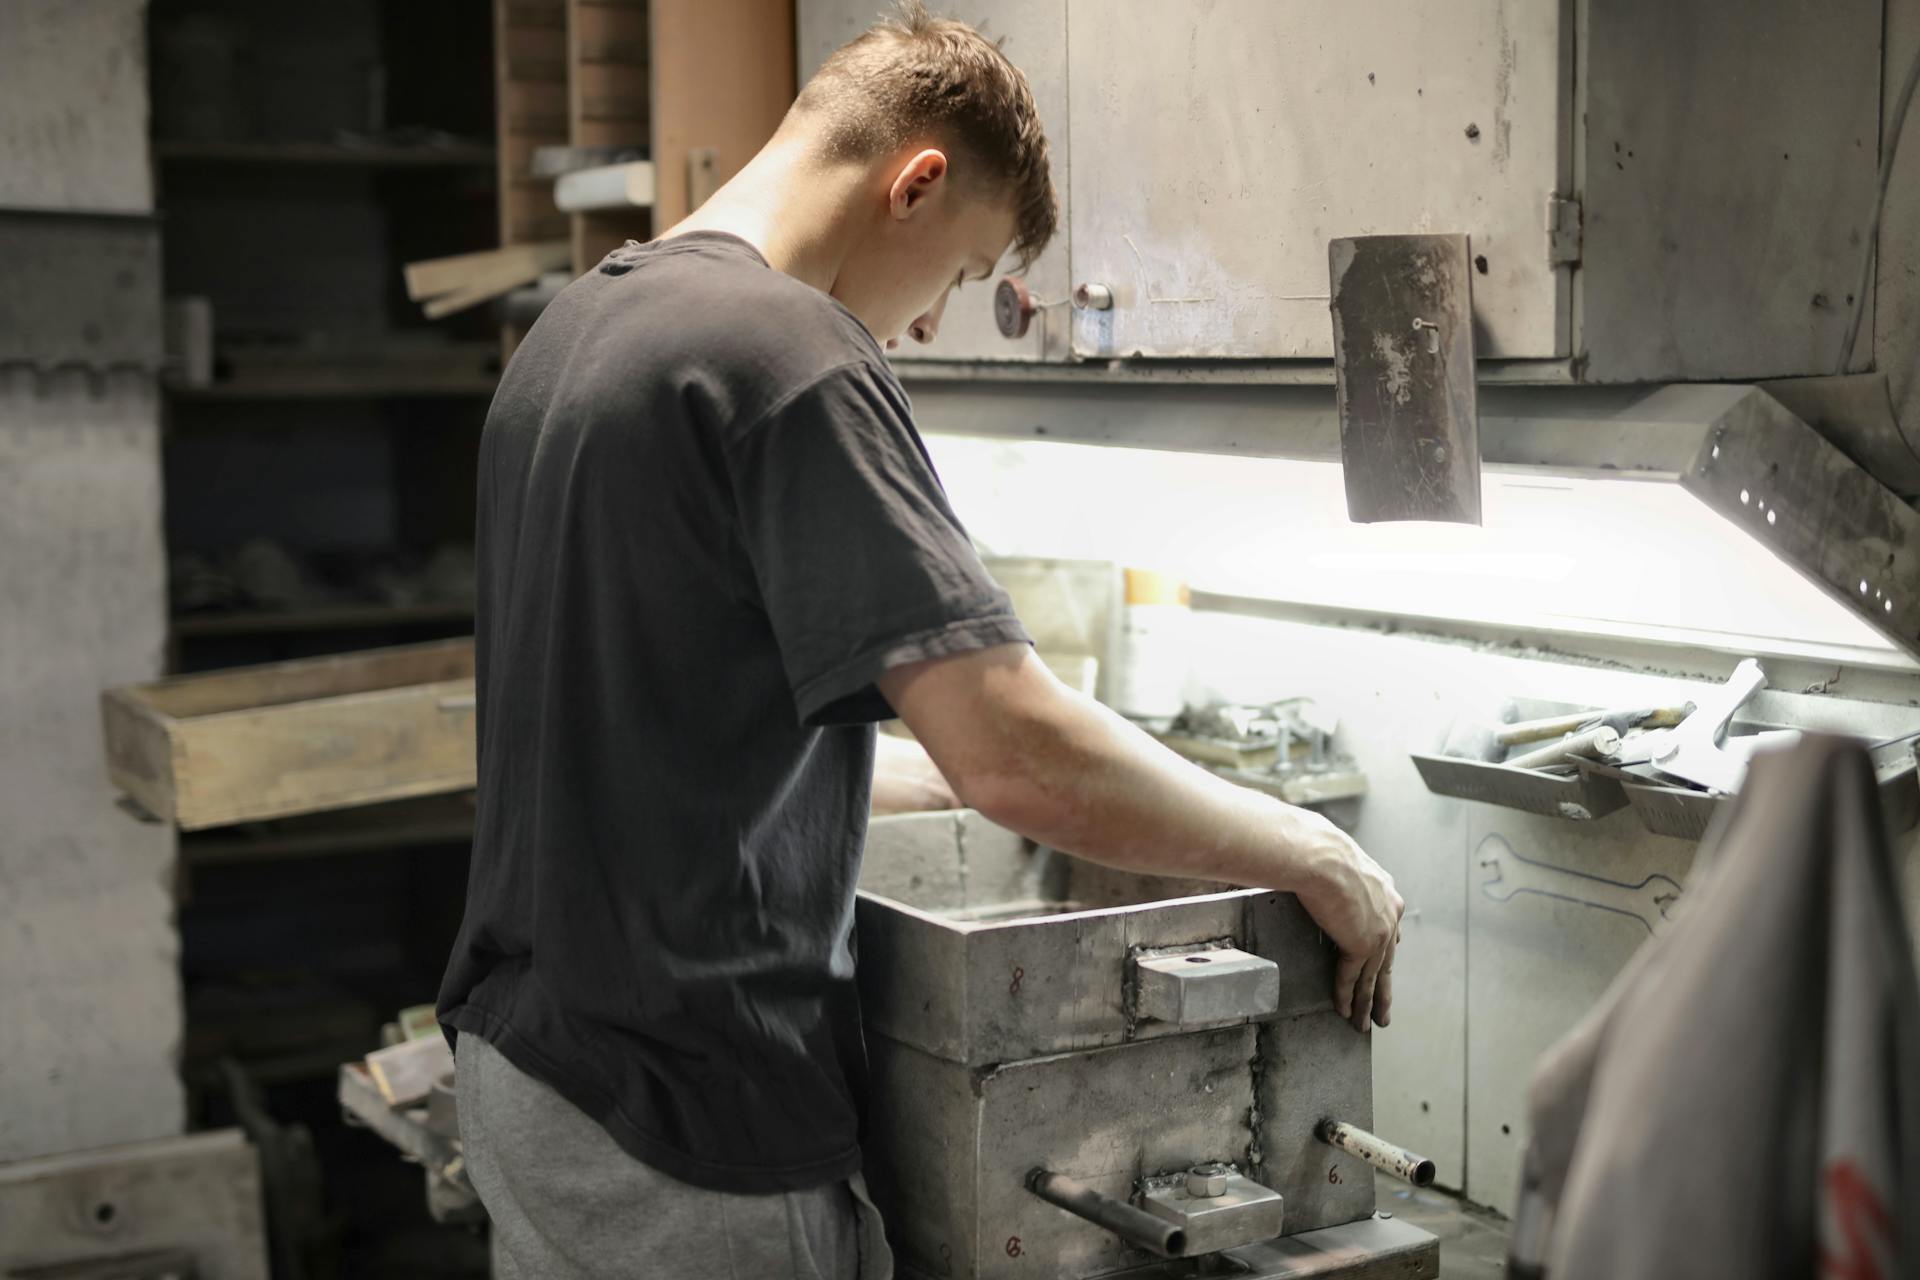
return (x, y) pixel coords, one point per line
(712, 553)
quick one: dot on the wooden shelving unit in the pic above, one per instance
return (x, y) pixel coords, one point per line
(449, 369)
(262, 622)
(346, 155)
(291, 209)
(398, 825)
(697, 86)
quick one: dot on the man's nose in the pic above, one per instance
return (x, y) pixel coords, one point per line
(927, 327)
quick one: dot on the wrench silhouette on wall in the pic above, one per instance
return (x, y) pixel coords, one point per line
(1510, 874)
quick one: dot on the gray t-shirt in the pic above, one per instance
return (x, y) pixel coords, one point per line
(706, 525)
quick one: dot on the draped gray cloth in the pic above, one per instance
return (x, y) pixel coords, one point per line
(1745, 1100)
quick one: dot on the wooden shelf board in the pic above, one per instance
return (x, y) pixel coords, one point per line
(339, 618)
(376, 380)
(400, 824)
(372, 156)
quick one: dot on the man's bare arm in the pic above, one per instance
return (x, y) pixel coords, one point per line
(1061, 769)
(905, 779)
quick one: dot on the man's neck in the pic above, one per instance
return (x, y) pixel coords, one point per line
(791, 208)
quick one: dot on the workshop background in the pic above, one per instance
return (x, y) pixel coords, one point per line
(261, 264)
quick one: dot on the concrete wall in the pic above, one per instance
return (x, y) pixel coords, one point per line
(73, 105)
(90, 1009)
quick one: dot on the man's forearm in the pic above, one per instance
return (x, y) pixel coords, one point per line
(1061, 769)
(1064, 770)
(1094, 785)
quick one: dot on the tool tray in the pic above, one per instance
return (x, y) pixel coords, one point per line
(298, 737)
(1686, 813)
(1598, 789)
(1580, 797)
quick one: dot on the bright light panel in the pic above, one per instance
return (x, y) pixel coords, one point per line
(1638, 557)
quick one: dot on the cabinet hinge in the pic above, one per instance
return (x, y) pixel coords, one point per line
(1563, 230)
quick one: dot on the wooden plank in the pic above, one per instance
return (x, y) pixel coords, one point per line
(1403, 367)
(529, 113)
(328, 154)
(139, 751)
(513, 264)
(296, 737)
(497, 281)
(516, 157)
(349, 617)
(248, 688)
(528, 213)
(328, 753)
(723, 77)
(611, 33)
(535, 54)
(400, 824)
(404, 1073)
(533, 106)
(535, 14)
(611, 93)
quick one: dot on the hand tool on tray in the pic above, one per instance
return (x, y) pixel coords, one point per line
(1491, 743)
(1697, 750)
(1597, 743)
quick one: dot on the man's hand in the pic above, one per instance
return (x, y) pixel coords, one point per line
(1353, 901)
(905, 779)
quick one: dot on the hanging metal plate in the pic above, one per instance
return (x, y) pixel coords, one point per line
(1403, 367)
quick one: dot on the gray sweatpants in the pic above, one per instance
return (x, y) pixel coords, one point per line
(567, 1203)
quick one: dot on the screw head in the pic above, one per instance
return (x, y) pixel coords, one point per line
(1205, 1181)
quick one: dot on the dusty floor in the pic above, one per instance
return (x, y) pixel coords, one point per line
(1473, 1240)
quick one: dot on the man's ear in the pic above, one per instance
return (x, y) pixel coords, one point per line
(919, 178)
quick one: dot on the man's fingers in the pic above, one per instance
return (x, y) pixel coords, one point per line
(1363, 989)
(1344, 977)
(1383, 990)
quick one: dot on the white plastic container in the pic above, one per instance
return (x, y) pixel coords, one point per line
(1155, 648)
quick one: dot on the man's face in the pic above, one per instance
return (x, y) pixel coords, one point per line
(933, 235)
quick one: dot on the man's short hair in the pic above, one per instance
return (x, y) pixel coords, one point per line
(913, 76)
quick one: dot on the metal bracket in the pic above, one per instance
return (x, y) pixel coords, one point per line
(1565, 220)
(1240, 1212)
(1778, 479)
(1205, 986)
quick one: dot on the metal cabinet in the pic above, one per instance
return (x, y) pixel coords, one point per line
(1654, 192)
(1220, 147)
(1034, 35)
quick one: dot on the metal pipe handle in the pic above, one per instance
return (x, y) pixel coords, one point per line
(1376, 1151)
(1135, 1226)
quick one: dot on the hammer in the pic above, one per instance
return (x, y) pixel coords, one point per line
(1471, 740)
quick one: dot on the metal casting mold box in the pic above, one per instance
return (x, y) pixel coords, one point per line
(1008, 1029)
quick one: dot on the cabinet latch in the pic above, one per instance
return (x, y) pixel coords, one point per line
(1563, 230)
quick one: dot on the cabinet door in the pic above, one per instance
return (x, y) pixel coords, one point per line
(1034, 36)
(1218, 148)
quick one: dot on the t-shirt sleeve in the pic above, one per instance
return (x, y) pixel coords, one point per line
(860, 562)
